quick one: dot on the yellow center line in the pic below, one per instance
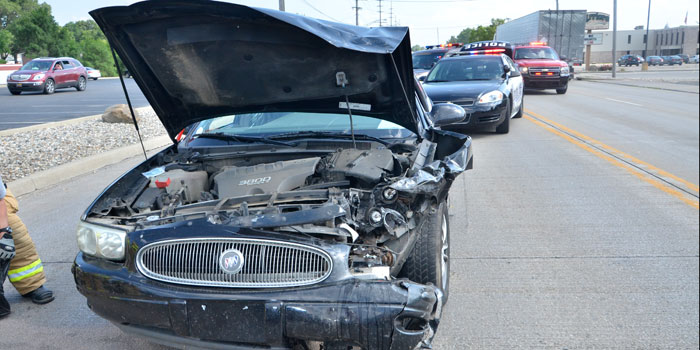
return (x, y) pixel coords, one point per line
(616, 162)
(660, 172)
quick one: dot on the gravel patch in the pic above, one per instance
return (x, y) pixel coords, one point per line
(28, 152)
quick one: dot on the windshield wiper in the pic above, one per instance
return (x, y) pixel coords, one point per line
(326, 134)
(244, 139)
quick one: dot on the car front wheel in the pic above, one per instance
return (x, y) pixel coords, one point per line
(562, 90)
(82, 84)
(49, 86)
(429, 261)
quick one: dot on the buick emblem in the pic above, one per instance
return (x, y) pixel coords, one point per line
(231, 261)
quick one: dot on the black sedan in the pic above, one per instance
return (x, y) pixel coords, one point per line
(307, 202)
(488, 87)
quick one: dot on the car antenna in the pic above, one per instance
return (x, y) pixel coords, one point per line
(128, 101)
(341, 80)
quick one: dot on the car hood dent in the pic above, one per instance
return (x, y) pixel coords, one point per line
(195, 60)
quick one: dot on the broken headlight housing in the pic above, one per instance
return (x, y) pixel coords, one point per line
(101, 241)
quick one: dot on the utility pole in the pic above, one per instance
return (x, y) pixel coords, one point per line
(645, 65)
(438, 34)
(281, 5)
(391, 13)
(614, 50)
(357, 12)
(557, 7)
(380, 13)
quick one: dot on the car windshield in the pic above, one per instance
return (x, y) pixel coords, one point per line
(542, 53)
(37, 65)
(276, 123)
(467, 68)
(426, 60)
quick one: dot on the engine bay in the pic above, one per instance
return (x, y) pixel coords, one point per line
(369, 196)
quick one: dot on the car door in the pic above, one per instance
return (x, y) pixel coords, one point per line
(71, 72)
(515, 83)
(59, 75)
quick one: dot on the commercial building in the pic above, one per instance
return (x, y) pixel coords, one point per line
(663, 42)
(562, 30)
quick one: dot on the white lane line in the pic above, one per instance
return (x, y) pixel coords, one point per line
(629, 103)
(53, 112)
(23, 122)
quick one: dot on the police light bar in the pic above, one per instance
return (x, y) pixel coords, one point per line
(537, 43)
(486, 52)
(443, 46)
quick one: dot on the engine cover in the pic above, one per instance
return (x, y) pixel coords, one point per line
(264, 178)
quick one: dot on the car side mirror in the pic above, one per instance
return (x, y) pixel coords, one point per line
(447, 113)
(421, 78)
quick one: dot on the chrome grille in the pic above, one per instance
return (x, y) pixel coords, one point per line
(20, 77)
(544, 71)
(267, 263)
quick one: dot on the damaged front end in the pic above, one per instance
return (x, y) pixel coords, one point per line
(333, 230)
(303, 201)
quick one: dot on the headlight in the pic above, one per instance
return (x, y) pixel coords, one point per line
(523, 70)
(491, 97)
(100, 241)
(39, 76)
(564, 72)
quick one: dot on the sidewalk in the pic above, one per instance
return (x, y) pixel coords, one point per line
(679, 81)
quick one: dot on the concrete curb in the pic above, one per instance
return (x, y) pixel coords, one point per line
(613, 82)
(50, 177)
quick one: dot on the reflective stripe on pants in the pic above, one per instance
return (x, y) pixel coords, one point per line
(21, 273)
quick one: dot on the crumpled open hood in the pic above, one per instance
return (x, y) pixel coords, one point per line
(195, 60)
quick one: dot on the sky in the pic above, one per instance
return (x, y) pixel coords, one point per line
(435, 21)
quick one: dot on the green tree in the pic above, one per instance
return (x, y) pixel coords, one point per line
(416, 48)
(10, 10)
(6, 40)
(463, 37)
(37, 33)
(480, 33)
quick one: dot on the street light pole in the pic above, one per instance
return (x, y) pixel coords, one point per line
(614, 48)
(281, 5)
(645, 65)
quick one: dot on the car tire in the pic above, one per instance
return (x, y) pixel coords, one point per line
(504, 127)
(82, 84)
(15, 92)
(521, 110)
(562, 90)
(428, 261)
(94, 78)
(49, 86)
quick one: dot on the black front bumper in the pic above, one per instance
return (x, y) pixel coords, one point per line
(25, 86)
(545, 83)
(481, 117)
(372, 314)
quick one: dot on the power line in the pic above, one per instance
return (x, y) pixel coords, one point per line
(319, 11)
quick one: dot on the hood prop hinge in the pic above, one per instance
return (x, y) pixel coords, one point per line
(341, 80)
(128, 101)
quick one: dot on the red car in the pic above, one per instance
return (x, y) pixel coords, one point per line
(47, 74)
(541, 67)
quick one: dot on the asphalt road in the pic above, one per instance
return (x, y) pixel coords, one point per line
(559, 239)
(31, 108)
